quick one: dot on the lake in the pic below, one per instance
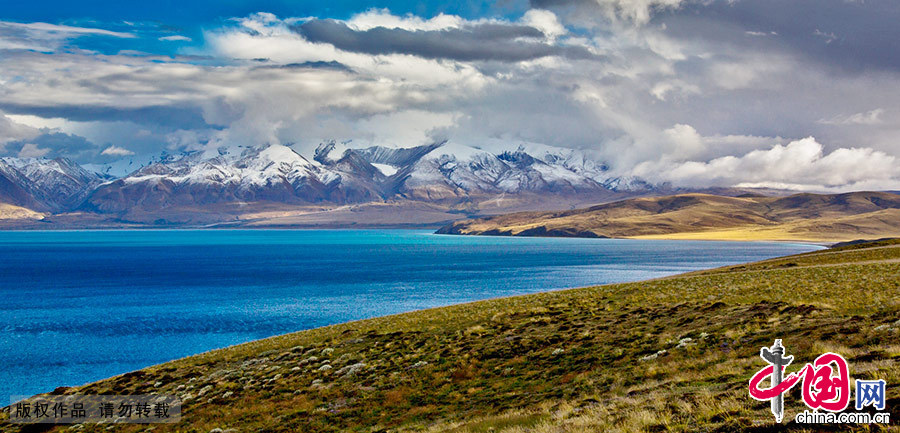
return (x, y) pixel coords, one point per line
(78, 306)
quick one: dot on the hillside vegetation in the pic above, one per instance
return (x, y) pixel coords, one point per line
(8, 211)
(671, 354)
(809, 217)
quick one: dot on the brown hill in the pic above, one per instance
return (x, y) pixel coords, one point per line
(810, 217)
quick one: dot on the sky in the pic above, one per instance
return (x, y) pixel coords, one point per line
(797, 94)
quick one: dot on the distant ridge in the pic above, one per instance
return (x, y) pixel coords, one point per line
(273, 185)
(342, 186)
(808, 217)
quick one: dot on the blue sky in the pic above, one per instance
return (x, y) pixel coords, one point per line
(797, 94)
(189, 18)
(190, 13)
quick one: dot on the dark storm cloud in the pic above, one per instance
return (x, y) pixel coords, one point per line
(54, 144)
(497, 42)
(332, 65)
(173, 117)
(849, 34)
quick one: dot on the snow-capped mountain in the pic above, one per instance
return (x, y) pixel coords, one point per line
(270, 174)
(445, 174)
(46, 184)
(459, 171)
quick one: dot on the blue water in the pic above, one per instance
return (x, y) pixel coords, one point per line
(84, 305)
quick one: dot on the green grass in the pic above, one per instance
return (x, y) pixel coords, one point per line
(602, 358)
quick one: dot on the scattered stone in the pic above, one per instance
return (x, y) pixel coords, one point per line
(419, 364)
(227, 394)
(204, 390)
(558, 351)
(351, 370)
(654, 355)
(258, 362)
(324, 367)
(684, 342)
(327, 351)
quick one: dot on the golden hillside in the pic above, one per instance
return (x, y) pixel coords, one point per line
(809, 217)
(13, 212)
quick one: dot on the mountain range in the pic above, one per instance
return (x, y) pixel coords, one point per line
(274, 185)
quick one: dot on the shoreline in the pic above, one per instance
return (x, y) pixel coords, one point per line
(441, 307)
(561, 347)
(429, 227)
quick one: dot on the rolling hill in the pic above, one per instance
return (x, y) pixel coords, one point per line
(672, 354)
(809, 217)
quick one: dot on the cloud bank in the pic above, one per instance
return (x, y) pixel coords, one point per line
(695, 93)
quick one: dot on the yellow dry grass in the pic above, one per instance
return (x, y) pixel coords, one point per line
(804, 217)
(8, 211)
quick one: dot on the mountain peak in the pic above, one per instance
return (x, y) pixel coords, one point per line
(444, 173)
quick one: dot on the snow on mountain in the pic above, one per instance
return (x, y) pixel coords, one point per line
(462, 170)
(385, 169)
(336, 174)
(15, 188)
(54, 184)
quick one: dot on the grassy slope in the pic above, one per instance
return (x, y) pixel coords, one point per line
(13, 212)
(809, 217)
(595, 359)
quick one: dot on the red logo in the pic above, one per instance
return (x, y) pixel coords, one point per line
(826, 381)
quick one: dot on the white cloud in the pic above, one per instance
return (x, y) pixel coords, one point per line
(11, 130)
(116, 151)
(175, 38)
(694, 112)
(45, 36)
(373, 18)
(46, 30)
(743, 74)
(801, 164)
(867, 118)
(31, 150)
(636, 11)
(685, 140)
(665, 90)
(545, 21)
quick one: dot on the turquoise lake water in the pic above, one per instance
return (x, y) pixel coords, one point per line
(80, 306)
